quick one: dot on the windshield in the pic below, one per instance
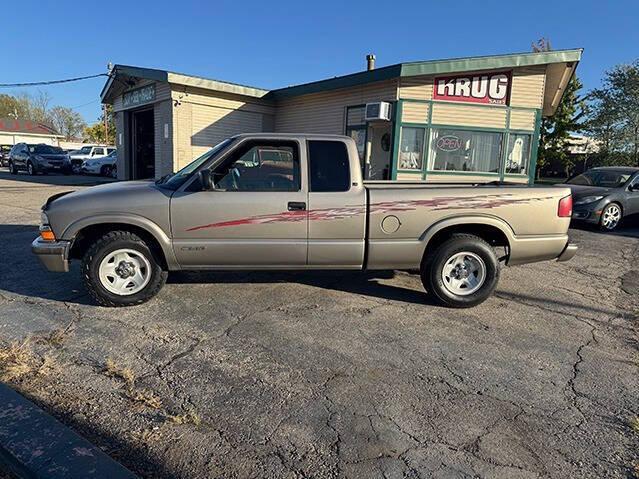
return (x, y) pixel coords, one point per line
(603, 178)
(45, 150)
(175, 180)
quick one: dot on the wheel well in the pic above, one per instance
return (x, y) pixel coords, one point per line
(89, 234)
(491, 234)
(616, 203)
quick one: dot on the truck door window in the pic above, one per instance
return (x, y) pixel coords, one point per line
(329, 167)
(263, 166)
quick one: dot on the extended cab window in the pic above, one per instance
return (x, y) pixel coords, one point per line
(329, 168)
(261, 166)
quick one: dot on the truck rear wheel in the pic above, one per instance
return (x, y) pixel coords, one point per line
(461, 272)
(119, 269)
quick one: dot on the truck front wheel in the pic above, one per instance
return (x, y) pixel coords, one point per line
(119, 269)
(461, 272)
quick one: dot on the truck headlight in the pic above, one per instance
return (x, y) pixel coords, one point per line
(44, 219)
(587, 199)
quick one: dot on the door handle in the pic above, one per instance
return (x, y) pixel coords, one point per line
(296, 206)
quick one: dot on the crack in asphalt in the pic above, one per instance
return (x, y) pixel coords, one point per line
(575, 372)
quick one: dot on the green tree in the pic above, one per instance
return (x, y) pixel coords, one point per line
(622, 84)
(613, 115)
(96, 132)
(26, 107)
(556, 130)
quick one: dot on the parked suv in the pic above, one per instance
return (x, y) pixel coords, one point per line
(4, 154)
(40, 158)
(88, 152)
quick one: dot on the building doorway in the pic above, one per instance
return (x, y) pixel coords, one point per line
(143, 144)
(379, 161)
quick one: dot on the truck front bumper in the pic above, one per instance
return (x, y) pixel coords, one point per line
(54, 255)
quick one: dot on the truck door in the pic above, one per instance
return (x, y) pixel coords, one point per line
(337, 206)
(255, 217)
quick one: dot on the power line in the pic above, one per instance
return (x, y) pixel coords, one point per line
(85, 104)
(51, 82)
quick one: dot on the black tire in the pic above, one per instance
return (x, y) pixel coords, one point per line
(607, 210)
(31, 169)
(100, 249)
(13, 168)
(434, 262)
(105, 170)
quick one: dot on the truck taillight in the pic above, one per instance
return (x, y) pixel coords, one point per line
(565, 207)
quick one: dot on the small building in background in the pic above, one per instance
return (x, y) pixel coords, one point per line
(471, 119)
(14, 131)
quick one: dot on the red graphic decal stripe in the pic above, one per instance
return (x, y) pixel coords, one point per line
(323, 214)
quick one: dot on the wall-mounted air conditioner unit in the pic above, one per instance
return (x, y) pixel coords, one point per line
(380, 110)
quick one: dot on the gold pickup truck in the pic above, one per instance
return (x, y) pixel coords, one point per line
(295, 201)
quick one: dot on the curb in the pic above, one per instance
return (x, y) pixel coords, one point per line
(33, 444)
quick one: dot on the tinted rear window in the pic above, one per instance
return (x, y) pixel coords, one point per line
(329, 169)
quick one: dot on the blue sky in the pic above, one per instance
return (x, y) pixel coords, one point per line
(278, 43)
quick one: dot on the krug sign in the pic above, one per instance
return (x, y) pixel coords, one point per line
(492, 88)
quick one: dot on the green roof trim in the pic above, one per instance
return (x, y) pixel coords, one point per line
(490, 62)
(431, 67)
(181, 79)
(354, 79)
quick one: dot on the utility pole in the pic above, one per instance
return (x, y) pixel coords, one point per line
(106, 124)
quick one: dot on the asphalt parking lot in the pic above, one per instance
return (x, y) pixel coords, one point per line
(333, 375)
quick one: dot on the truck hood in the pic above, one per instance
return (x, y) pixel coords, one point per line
(105, 190)
(114, 200)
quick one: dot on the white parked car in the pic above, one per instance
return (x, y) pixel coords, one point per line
(88, 152)
(103, 165)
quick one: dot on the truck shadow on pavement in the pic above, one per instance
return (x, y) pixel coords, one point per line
(362, 283)
(21, 273)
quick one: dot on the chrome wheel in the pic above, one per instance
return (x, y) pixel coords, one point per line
(124, 272)
(611, 217)
(30, 168)
(464, 273)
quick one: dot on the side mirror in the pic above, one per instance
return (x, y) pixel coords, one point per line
(206, 180)
(634, 187)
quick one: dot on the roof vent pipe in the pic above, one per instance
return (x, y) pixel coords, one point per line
(370, 62)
